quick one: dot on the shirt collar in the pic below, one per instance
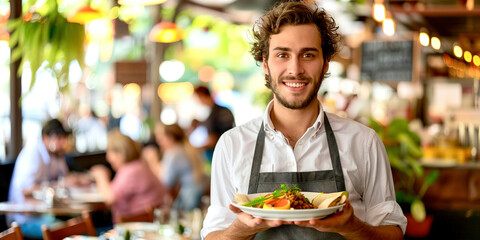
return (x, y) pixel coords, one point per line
(268, 125)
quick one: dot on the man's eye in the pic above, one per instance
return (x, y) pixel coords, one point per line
(282, 55)
(308, 55)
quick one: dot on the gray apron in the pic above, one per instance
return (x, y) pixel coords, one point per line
(317, 181)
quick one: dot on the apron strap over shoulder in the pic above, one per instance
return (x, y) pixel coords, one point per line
(334, 155)
(255, 171)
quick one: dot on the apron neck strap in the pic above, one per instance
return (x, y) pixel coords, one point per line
(334, 155)
(257, 161)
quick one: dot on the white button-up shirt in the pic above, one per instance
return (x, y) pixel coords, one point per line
(33, 166)
(365, 166)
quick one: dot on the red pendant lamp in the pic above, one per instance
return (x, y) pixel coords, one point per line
(166, 32)
(141, 2)
(85, 15)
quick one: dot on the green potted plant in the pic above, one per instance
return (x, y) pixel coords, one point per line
(404, 150)
(44, 38)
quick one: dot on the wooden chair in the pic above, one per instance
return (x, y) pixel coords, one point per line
(82, 225)
(146, 216)
(13, 233)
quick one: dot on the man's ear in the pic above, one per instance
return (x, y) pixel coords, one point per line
(265, 65)
(325, 67)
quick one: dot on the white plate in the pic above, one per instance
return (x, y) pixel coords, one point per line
(136, 226)
(288, 215)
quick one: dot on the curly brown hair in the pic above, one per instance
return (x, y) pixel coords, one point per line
(294, 13)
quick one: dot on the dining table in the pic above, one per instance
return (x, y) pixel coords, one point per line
(78, 200)
(137, 231)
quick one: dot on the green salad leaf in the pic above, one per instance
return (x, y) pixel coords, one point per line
(276, 194)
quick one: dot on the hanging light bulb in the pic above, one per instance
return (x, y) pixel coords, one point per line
(436, 43)
(476, 60)
(379, 11)
(141, 2)
(424, 38)
(470, 5)
(457, 51)
(166, 32)
(388, 26)
(467, 56)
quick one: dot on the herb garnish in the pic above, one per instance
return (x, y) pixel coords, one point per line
(276, 194)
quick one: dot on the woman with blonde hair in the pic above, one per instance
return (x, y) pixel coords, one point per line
(134, 186)
(181, 165)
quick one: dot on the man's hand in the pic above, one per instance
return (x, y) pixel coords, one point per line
(256, 223)
(350, 227)
(339, 222)
(245, 227)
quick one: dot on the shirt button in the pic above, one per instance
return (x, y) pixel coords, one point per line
(300, 143)
(293, 163)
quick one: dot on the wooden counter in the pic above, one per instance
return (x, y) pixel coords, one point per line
(457, 187)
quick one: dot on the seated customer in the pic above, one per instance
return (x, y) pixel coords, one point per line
(134, 186)
(152, 155)
(41, 162)
(182, 166)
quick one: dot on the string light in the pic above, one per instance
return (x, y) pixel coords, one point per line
(436, 44)
(388, 27)
(476, 60)
(424, 39)
(457, 51)
(467, 56)
(379, 11)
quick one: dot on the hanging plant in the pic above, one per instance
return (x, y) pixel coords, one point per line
(46, 39)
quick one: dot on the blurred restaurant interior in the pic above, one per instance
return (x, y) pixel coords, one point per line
(405, 66)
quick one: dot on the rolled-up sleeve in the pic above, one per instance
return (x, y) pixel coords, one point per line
(379, 196)
(387, 213)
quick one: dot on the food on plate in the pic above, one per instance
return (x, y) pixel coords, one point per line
(292, 198)
(241, 198)
(326, 200)
(276, 203)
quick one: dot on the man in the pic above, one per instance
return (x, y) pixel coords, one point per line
(219, 121)
(297, 142)
(41, 162)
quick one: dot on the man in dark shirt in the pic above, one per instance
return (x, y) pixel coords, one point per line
(219, 121)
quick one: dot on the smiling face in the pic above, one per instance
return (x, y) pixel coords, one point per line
(295, 66)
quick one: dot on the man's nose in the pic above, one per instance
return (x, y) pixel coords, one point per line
(295, 67)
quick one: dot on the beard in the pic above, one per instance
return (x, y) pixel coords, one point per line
(294, 105)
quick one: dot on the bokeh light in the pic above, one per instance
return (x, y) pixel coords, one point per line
(467, 56)
(223, 81)
(436, 43)
(206, 73)
(388, 27)
(424, 39)
(174, 92)
(379, 12)
(168, 115)
(476, 60)
(457, 51)
(171, 70)
(131, 90)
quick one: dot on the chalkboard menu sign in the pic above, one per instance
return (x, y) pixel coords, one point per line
(387, 61)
